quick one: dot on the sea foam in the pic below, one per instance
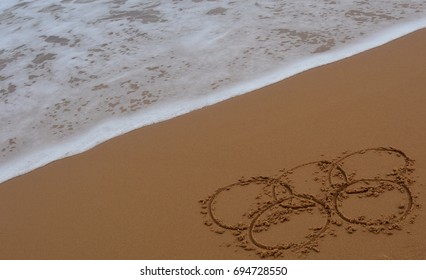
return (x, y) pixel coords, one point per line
(75, 73)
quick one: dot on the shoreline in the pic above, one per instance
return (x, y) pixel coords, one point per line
(135, 196)
(89, 139)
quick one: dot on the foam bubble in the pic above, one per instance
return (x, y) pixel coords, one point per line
(76, 73)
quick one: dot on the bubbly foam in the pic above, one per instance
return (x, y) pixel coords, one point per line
(75, 73)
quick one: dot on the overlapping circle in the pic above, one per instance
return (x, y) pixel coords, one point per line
(361, 220)
(325, 193)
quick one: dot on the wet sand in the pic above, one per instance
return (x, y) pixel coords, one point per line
(286, 171)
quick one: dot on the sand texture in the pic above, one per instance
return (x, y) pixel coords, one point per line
(328, 164)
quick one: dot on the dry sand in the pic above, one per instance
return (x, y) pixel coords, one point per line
(236, 180)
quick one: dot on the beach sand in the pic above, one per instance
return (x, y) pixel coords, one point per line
(159, 192)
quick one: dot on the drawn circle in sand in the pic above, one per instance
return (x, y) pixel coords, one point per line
(310, 179)
(276, 220)
(373, 202)
(238, 202)
(390, 163)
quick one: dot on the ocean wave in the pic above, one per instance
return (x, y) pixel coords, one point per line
(75, 73)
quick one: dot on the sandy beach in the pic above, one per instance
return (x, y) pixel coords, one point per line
(301, 169)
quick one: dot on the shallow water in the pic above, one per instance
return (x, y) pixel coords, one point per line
(75, 73)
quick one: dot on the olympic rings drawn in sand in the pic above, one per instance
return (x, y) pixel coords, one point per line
(281, 190)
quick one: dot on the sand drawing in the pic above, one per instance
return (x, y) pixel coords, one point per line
(367, 190)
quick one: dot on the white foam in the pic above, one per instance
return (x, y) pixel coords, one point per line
(116, 67)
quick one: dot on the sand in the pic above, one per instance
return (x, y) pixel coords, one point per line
(301, 169)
